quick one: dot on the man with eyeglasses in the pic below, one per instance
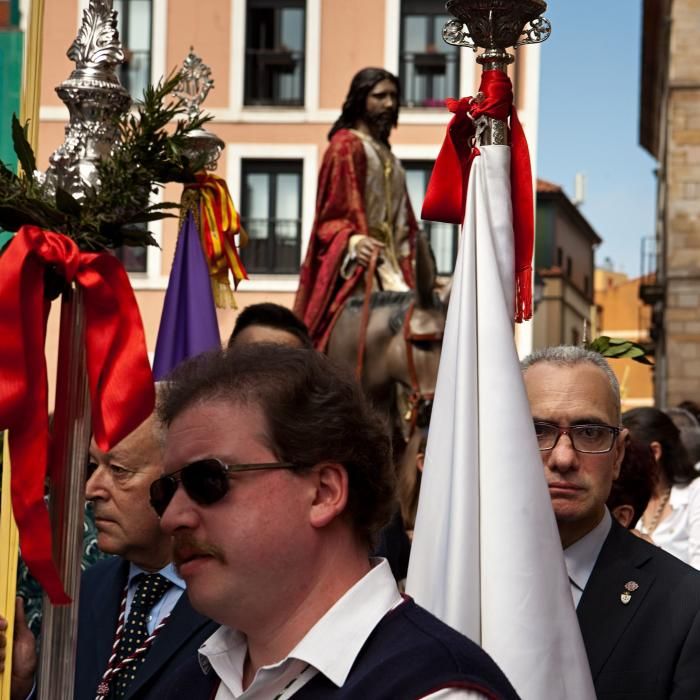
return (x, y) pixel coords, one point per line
(135, 626)
(277, 476)
(638, 607)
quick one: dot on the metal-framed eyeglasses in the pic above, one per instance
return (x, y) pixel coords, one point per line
(205, 481)
(587, 439)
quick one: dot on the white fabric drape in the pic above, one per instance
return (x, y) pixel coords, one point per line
(486, 554)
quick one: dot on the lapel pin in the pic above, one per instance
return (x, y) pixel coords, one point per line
(630, 587)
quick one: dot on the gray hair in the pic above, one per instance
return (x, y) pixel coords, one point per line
(570, 356)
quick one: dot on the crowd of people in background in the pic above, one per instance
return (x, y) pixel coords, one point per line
(254, 533)
(241, 603)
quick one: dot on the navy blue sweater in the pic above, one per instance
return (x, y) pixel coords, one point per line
(409, 654)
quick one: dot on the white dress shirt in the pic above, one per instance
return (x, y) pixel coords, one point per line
(165, 605)
(581, 556)
(330, 647)
(679, 533)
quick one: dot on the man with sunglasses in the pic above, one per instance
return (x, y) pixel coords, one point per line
(638, 607)
(277, 476)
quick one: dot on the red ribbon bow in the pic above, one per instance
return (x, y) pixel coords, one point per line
(445, 198)
(119, 374)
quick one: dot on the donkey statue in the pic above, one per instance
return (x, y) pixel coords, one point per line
(398, 352)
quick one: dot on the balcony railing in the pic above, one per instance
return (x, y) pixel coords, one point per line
(651, 290)
(274, 245)
(274, 77)
(444, 240)
(429, 78)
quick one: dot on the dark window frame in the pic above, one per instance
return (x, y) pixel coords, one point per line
(429, 65)
(124, 20)
(272, 167)
(429, 227)
(265, 66)
(134, 259)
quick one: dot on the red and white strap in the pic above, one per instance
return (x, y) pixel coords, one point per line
(113, 667)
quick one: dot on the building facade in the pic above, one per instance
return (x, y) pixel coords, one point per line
(281, 70)
(564, 249)
(622, 314)
(670, 131)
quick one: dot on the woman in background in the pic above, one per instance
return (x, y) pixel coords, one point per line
(672, 518)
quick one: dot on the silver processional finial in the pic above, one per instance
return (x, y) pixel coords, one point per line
(193, 88)
(95, 99)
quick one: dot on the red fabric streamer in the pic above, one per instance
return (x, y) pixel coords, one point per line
(119, 374)
(445, 198)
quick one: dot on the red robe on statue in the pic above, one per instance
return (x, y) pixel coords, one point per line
(340, 214)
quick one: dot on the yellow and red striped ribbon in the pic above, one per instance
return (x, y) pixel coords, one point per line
(220, 222)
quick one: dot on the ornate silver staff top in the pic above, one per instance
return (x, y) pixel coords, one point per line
(495, 25)
(95, 98)
(193, 89)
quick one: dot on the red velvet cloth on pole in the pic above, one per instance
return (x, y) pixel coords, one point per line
(446, 193)
(119, 374)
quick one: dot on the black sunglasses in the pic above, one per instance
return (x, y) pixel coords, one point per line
(204, 481)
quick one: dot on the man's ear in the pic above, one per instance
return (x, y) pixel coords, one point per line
(623, 514)
(331, 498)
(656, 449)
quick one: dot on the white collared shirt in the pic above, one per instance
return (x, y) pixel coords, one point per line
(165, 605)
(581, 556)
(679, 532)
(330, 647)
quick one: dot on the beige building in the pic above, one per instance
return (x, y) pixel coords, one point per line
(622, 314)
(670, 131)
(281, 71)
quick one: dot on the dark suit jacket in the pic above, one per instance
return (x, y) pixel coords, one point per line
(101, 590)
(649, 648)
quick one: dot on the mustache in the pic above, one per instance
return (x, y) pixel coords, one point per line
(186, 546)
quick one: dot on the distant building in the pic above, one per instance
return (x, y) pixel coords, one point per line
(622, 314)
(670, 130)
(564, 247)
(281, 70)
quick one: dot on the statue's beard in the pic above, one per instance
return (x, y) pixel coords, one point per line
(381, 124)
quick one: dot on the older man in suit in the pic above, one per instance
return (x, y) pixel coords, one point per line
(638, 607)
(135, 626)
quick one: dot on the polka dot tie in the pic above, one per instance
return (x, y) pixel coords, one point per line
(150, 589)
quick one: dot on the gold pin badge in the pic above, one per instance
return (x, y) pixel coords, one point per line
(625, 598)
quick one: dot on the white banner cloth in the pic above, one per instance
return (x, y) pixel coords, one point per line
(486, 555)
